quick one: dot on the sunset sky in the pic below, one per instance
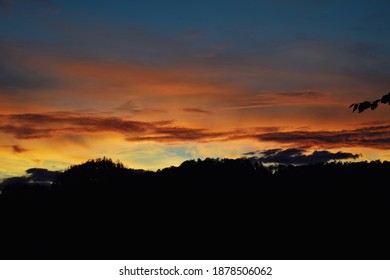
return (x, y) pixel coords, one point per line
(154, 83)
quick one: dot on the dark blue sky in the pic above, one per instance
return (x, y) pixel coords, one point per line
(246, 27)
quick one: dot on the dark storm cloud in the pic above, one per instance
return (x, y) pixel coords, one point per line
(298, 156)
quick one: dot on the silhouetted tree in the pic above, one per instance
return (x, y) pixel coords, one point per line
(360, 107)
(95, 173)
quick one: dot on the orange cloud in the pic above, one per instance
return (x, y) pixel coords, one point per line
(30, 126)
(373, 136)
(36, 126)
(239, 95)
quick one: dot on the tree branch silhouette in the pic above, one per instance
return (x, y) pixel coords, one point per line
(360, 107)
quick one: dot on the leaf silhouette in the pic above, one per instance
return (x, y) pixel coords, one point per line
(360, 107)
(374, 104)
(385, 98)
(363, 106)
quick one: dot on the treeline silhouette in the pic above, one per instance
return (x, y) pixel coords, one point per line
(212, 208)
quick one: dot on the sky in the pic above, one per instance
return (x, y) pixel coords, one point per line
(155, 83)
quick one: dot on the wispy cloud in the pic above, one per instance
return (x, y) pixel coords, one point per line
(181, 134)
(372, 136)
(196, 110)
(293, 98)
(26, 132)
(30, 126)
(134, 107)
(36, 126)
(18, 149)
(130, 107)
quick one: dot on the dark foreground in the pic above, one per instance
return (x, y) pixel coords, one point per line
(211, 209)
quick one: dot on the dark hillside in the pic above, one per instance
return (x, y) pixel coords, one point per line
(212, 208)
